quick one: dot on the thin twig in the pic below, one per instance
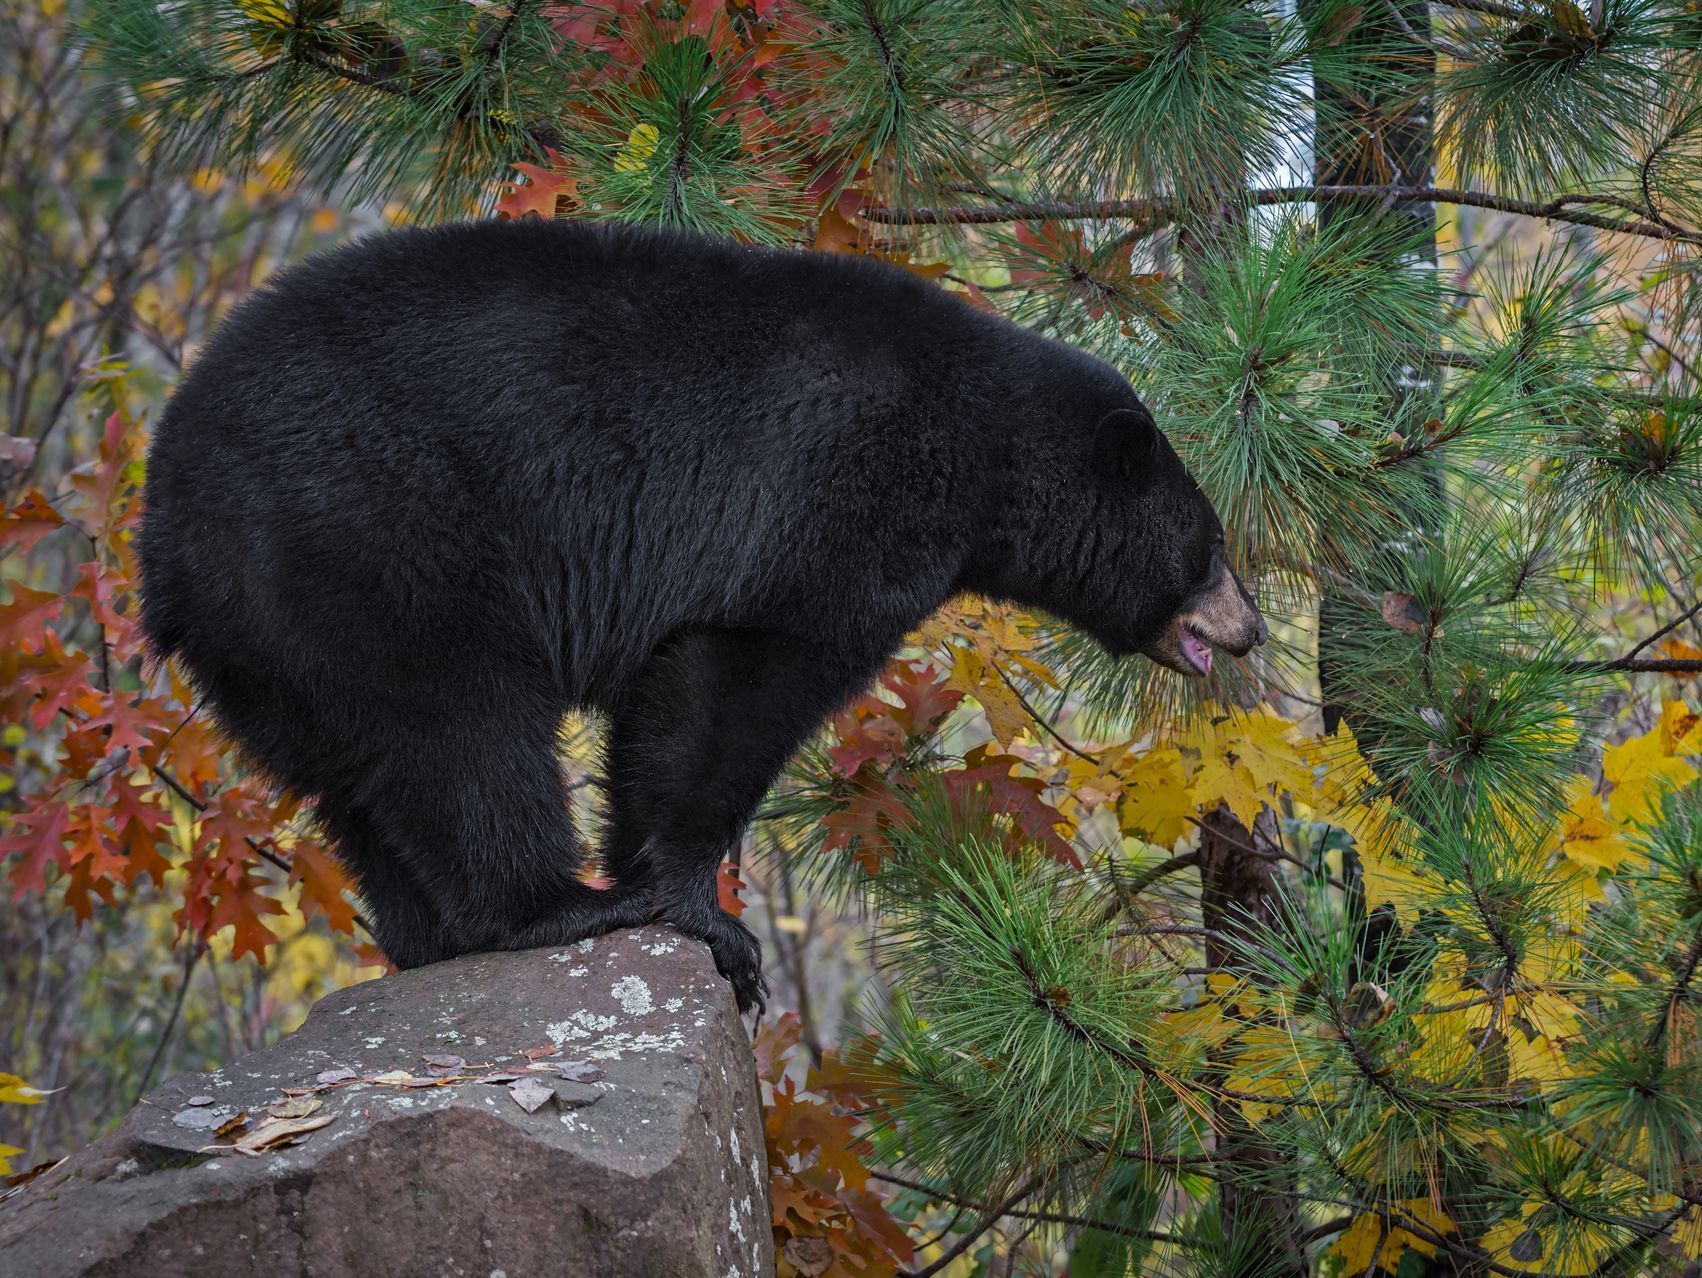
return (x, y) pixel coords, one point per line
(170, 1027)
(963, 1244)
(1052, 1217)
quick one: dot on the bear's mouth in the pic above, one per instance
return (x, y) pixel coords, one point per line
(1183, 648)
(1193, 648)
(1221, 616)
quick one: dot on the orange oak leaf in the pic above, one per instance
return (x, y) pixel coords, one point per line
(546, 193)
(728, 885)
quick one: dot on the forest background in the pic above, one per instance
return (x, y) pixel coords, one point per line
(1376, 954)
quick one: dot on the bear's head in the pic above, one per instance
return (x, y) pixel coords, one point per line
(1160, 581)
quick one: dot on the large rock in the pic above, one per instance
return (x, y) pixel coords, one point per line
(655, 1168)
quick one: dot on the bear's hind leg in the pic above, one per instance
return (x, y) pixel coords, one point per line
(404, 922)
(475, 812)
(698, 741)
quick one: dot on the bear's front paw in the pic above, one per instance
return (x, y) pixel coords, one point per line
(737, 952)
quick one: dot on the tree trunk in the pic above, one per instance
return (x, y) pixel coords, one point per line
(1256, 1196)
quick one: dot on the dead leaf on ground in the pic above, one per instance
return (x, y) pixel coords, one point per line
(15, 1184)
(342, 1074)
(231, 1124)
(507, 1076)
(294, 1107)
(278, 1131)
(537, 1053)
(441, 1064)
(531, 1094)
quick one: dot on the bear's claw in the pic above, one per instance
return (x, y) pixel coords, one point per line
(737, 953)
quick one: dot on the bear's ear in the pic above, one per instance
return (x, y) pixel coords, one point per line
(1125, 444)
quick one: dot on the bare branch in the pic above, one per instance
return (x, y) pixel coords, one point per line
(1560, 209)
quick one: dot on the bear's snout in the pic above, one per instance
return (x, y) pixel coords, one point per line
(1222, 616)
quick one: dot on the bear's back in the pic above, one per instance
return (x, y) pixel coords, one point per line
(636, 425)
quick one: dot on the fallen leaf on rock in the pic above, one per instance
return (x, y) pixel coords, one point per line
(15, 1184)
(534, 1053)
(276, 1131)
(295, 1107)
(507, 1076)
(392, 1077)
(199, 1119)
(531, 1094)
(342, 1074)
(416, 1081)
(231, 1124)
(443, 1064)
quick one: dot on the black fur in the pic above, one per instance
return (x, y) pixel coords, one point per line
(420, 496)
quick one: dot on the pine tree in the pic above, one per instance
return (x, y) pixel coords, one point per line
(1182, 980)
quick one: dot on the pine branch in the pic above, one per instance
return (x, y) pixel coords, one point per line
(492, 45)
(992, 1217)
(1050, 1217)
(1640, 665)
(1489, 7)
(1667, 629)
(1560, 209)
(353, 75)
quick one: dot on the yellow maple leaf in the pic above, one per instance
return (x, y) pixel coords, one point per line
(1641, 769)
(269, 13)
(1371, 1237)
(1688, 1233)
(1157, 797)
(15, 1091)
(1228, 781)
(1265, 743)
(1587, 837)
(640, 146)
(975, 678)
(1537, 1241)
(1182, 1038)
(1681, 727)
(1265, 1064)
(1406, 885)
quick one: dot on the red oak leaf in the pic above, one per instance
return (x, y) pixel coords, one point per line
(24, 619)
(42, 846)
(322, 883)
(728, 885)
(28, 522)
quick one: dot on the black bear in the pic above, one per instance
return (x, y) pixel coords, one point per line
(421, 495)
